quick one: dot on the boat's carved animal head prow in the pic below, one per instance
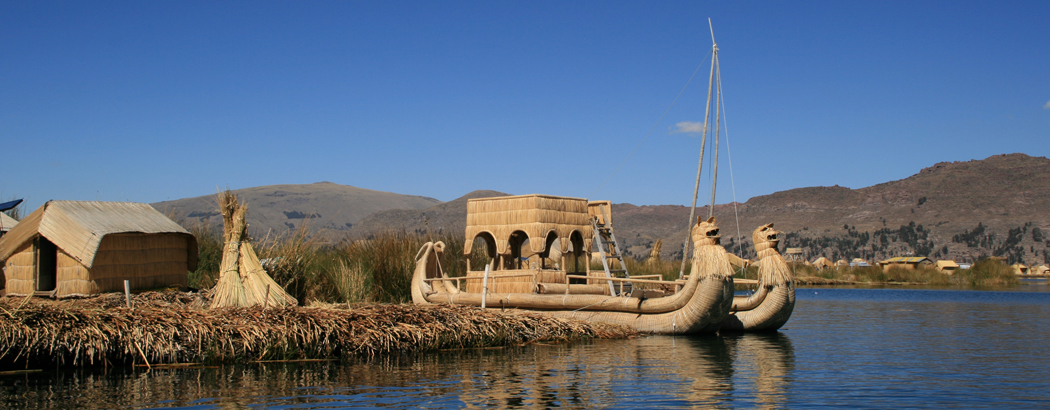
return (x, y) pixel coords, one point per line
(766, 239)
(705, 232)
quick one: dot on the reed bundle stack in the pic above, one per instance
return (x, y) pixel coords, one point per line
(37, 332)
(242, 280)
(654, 255)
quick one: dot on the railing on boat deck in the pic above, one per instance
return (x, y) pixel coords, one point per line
(637, 279)
(634, 280)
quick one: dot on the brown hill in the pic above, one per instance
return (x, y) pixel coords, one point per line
(278, 208)
(934, 213)
(961, 210)
(450, 216)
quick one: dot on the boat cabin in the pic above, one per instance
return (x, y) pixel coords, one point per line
(525, 240)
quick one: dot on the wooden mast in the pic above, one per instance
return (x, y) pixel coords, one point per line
(703, 145)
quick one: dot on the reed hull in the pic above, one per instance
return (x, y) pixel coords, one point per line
(770, 315)
(701, 306)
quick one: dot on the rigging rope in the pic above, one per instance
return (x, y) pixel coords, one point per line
(732, 181)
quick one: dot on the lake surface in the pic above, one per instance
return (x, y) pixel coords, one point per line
(856, 348)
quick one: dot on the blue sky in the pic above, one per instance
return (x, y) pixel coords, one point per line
(158, 100)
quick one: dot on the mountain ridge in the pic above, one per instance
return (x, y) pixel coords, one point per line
(939, 212)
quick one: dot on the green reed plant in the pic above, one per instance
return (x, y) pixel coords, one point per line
(209, 256)
(986, 272)
(297, 261)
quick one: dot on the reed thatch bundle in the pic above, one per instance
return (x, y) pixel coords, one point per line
(654, 255)
(242, 280)
(41, 333)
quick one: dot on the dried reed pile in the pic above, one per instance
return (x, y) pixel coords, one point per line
(36, 333)
(242, 280)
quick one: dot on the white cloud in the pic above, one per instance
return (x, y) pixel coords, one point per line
(1046, 106)
(688, 127)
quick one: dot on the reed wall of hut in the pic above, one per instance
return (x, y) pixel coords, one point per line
(75, 248)
(906, 262)
(510, 221)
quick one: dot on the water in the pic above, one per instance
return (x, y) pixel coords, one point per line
(856, 348)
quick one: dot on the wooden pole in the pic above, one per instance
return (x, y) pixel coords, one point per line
(700, 166)
(127, 293)
(485, 286)
(718, 99)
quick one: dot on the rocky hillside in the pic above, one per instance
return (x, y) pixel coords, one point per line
(450, 216)
(277, 208)
(961, 210)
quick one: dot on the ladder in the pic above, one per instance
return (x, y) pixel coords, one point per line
(609, 248)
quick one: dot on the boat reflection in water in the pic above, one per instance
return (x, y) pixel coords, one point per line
(656, 371)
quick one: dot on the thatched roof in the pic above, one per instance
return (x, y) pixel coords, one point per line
(906, 259)
(823, 262)
(7, 222)
(77, 227)
(947, 264)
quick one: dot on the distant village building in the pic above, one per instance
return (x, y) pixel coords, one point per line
(1019, 269)
(6, 223)
(859, 263)
(794, 255)
(83, 248)
(823, 263)
(1039, 270)
(906, 262)
(841, 262)
(947, 267)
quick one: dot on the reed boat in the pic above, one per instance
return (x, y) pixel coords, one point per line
(555, 280)
(536, 253)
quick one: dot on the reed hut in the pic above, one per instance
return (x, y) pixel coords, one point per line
(1019, 269)
(823, 263)
(83, 248)
(1041, 270)
(6, 223)
(947, 267)
(512, 227)
(906, 262)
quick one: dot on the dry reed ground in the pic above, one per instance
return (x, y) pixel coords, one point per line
(173, 327)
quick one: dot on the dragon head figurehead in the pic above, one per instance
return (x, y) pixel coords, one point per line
(766, 239)
(706, 232)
